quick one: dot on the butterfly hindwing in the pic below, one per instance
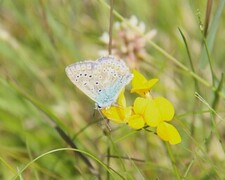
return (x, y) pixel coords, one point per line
(110, 95)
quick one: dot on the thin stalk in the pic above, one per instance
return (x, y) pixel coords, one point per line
(189, 57)
(218, 89)
(110, 27)
(173, 161)
(207, 16)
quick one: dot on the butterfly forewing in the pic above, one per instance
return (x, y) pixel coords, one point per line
(81, 74)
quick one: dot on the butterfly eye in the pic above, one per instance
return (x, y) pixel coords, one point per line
(99, 107)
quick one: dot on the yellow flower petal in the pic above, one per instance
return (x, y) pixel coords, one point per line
(137, 79)
(121, 99)
(140, 85)
(151, 83)
(152, 114)
(117, 114)
(165, 107)
(140, 105)
(136, 121)
(168, 132)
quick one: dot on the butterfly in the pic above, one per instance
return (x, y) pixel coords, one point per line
(101, 80)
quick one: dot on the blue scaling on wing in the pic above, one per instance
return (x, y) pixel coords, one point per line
(108, 96)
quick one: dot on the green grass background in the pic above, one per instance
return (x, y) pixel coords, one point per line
(39, 38)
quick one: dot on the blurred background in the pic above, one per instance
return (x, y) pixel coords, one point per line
(39, 38)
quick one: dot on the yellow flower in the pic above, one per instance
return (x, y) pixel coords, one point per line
(158, 111)
(120, 112)
(155, 112)
(137, 121)
(141, 85)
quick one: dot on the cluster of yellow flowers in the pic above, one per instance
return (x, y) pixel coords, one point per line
(146, 111)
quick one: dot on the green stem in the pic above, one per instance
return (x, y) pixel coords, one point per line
(173, 161)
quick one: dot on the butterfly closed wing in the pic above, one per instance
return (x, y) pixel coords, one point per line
(101, 80)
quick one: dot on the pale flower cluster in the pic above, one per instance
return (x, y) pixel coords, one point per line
(128, 43)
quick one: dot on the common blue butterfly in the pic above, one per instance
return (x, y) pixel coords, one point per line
(101, 80)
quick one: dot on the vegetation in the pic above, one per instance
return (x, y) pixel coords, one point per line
(51, 130)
